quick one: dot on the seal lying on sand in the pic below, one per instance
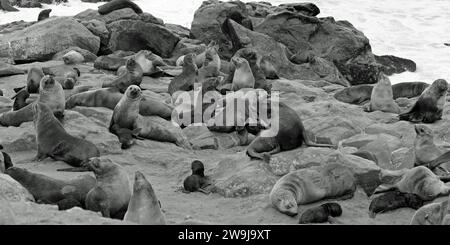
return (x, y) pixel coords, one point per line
(321, 214)
(109, 97)
(197, 181)
(53, 191)
(112, 194)
(426, 151)
(311, 185)
(431, 214)
(133, 76)
(393, 200)
(126, 115)
(53, 140)
(361, 93)
(290, 135)
(144, 207)
(429, 106)
(419, 180)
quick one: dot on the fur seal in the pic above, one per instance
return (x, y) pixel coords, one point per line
(48, 190)
(118, 4)
(431, 214)
(126, 115)
(393, 200)
(20, 99)
(382, 98)
(426, 151)
(418, 180)
(197, 180)
(44, 14)
(291, 134)
(133, 76)
(144, 207)
(53, 140)
(185, 81)
(127, 137)
(109, 97)
(268, 68)
(255, 62)
(73, 57)
(311, 185)
(321, 214)
(149, 67)
(211, 64)
(34, 78)
(430, 104)
(6, 5)
(243, 77)
(408, 89)
(112, 194)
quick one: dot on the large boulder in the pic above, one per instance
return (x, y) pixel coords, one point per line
(41, 41)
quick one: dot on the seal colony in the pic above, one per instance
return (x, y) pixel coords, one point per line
(133, 96)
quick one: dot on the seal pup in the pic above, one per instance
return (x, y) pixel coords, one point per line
(243, 77)
(429, 106)
(311, 185)
(197, 180)
(133, 76)
(53, 140)
(48, 190)
(431, 214)
(420, 181)
(382, 98)
(144, 207)
(20, 99)
(393, 200)
(426, 152)
(44, 14)
(290, 135)
(185, 81)
(321, 214)
(112, 193)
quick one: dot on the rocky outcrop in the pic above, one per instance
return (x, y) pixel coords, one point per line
(42, 40)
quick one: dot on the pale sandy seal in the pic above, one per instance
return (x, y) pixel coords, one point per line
(133, 76)
(149, 67)
(419, 180)
(53, 140)
(112, 194)
(48, 190)
(50, 93)
(310, 185)
(430, 105)
(109, 97)
(431, 214)
(291, 134)
(126, 115)
(382, 98)
(73, 57)
(144, 207)
(426, 152)
(243, 76)
(185, 81)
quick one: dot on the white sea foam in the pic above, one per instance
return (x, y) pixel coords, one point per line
(414, 29)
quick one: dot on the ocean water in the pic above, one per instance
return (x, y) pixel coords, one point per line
(414, 29)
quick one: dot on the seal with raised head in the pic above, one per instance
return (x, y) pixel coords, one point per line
(211, 64)
(243, 76)
(393, 200)
(112, 194)
(311, 185)
(431, 214)
(48, 190)
(53, 140)
(290, 135)
(144, 207)
(197, 180)
(133, 76)
(420, 181)
(382, 98)
(185, 81)
(427, 153)
(50, 93)
(44, 14)
(430, 105)
(321, 214)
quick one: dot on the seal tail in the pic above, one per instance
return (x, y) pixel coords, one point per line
(444, 158)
